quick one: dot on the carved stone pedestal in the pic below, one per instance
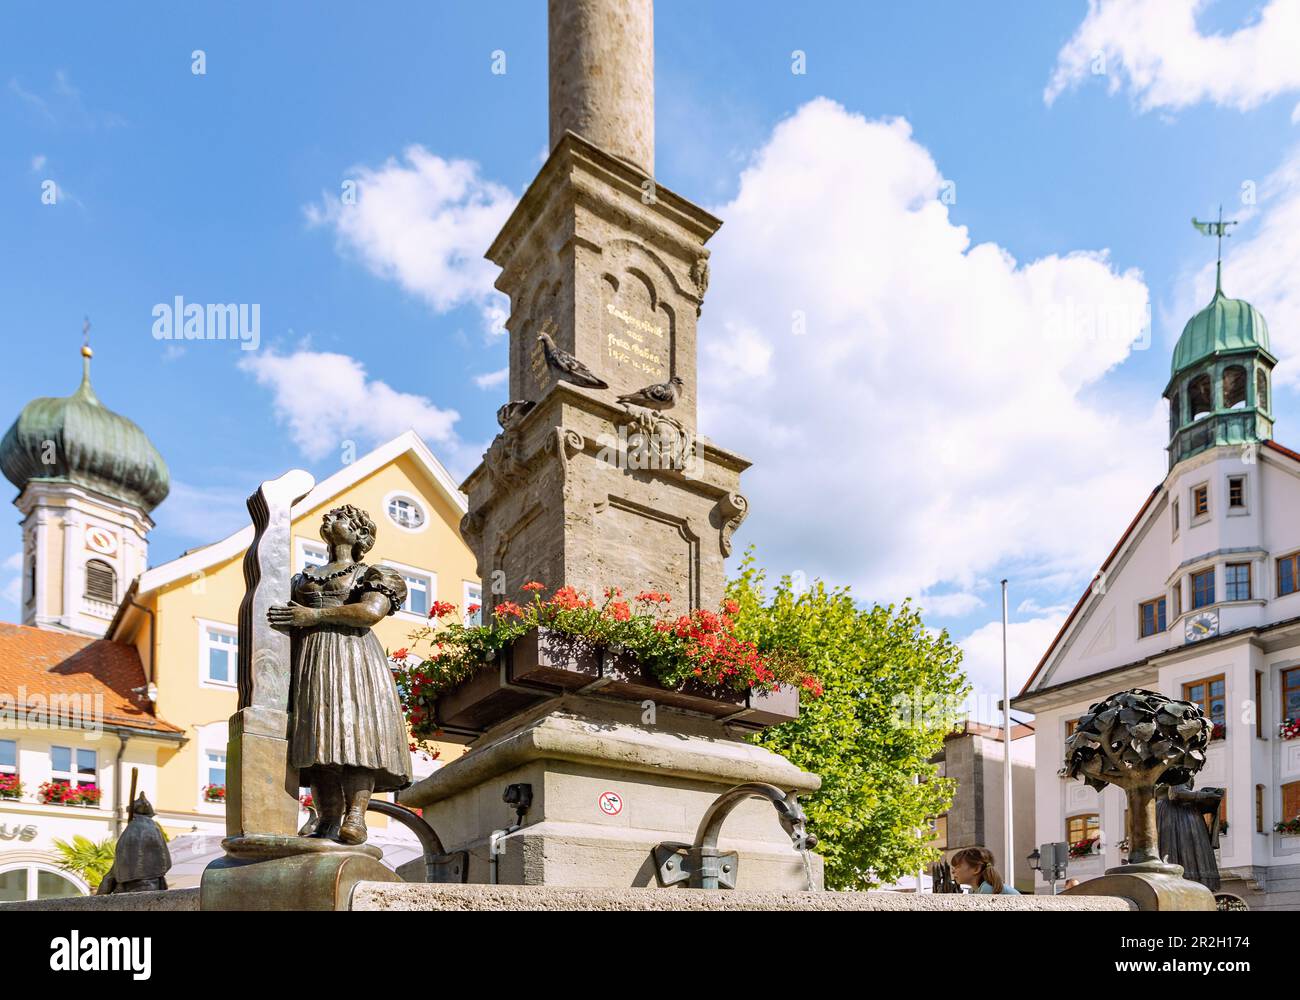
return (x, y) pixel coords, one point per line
(607, 788)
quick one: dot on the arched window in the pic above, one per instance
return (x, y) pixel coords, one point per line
(1200, 396)
(1261, 389)
(101, 581)
(1234, 387)
(35, 881)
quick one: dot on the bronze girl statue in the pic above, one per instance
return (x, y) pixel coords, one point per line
(349, 737)
(1185, 837)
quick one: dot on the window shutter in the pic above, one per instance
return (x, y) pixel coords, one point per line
(101, 581)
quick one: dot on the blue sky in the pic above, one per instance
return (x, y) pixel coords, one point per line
(223, 187)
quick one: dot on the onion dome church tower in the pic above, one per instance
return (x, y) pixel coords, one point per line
(1221, 372)
(87, 479)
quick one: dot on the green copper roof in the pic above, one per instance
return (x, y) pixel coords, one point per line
(1224, 325)
(77, 439)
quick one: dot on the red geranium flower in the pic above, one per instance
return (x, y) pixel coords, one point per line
(441, 609)
(474, 609)
(508, 608)
(400, 654)
(534, 586)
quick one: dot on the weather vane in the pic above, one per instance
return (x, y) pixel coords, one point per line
(1219, 229)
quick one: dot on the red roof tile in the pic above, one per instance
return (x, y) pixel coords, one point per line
(45, 662)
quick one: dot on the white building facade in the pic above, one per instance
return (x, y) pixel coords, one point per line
(1199, 600)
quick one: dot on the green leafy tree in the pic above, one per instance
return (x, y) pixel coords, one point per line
(892, 689)
(85, 858)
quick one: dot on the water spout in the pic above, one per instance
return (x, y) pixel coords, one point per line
(704, 865)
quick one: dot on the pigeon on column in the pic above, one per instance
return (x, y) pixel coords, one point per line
(566, 366)
(661, 396)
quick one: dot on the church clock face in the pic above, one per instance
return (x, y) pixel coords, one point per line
(1201, 626)
(101, 540)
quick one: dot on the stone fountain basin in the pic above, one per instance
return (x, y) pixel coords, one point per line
(543, 664)
(391, 896)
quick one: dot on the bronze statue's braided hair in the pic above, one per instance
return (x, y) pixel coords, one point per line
(981, 858)
(363, 525)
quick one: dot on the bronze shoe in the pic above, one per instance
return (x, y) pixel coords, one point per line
(353, 828)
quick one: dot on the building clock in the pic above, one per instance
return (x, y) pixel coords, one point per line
(1202, 625)
(101, 540)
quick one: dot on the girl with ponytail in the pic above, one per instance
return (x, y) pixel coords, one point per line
(973, 866)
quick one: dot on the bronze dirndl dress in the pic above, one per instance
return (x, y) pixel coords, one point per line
(346, 709)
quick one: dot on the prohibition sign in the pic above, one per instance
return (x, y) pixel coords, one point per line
(611, 803)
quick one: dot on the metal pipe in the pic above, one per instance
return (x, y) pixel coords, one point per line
(705, 849)
(1008, 815)
(430, 843)
(117, 784)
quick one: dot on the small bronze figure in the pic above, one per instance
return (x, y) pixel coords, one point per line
(141, 859)
(349, 735)
(1185, 838)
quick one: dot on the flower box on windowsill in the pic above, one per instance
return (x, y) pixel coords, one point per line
(1289, 729)
(1288, 827)
(543, 664)
(214, 793)
(1083, 849)
(1220, 731)
(58, 794)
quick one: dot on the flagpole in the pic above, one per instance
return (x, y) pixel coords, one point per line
(1008, 857)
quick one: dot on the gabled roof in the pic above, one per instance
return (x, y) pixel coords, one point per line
(1114, 553)
(198, 560)
(45, 663)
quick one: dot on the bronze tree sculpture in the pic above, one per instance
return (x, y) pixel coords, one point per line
(1136, 739)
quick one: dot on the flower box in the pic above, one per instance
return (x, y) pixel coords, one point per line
(214, 793)
(1084, 848)
(10, 787)
(58, 793)
(1289, 729)
(1288, 827)
(543, 664)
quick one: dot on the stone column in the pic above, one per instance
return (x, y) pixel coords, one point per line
(602, 65)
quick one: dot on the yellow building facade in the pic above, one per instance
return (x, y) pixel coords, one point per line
(151, 666)
(181, 616)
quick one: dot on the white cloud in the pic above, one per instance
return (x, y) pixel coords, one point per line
(202, 513)
(941, 415)
(38, 162)
(424, 223)
(326, 399)
(1156, 49)
(1260, 265)
(952, 605)
(490, 380)
(982, 660)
